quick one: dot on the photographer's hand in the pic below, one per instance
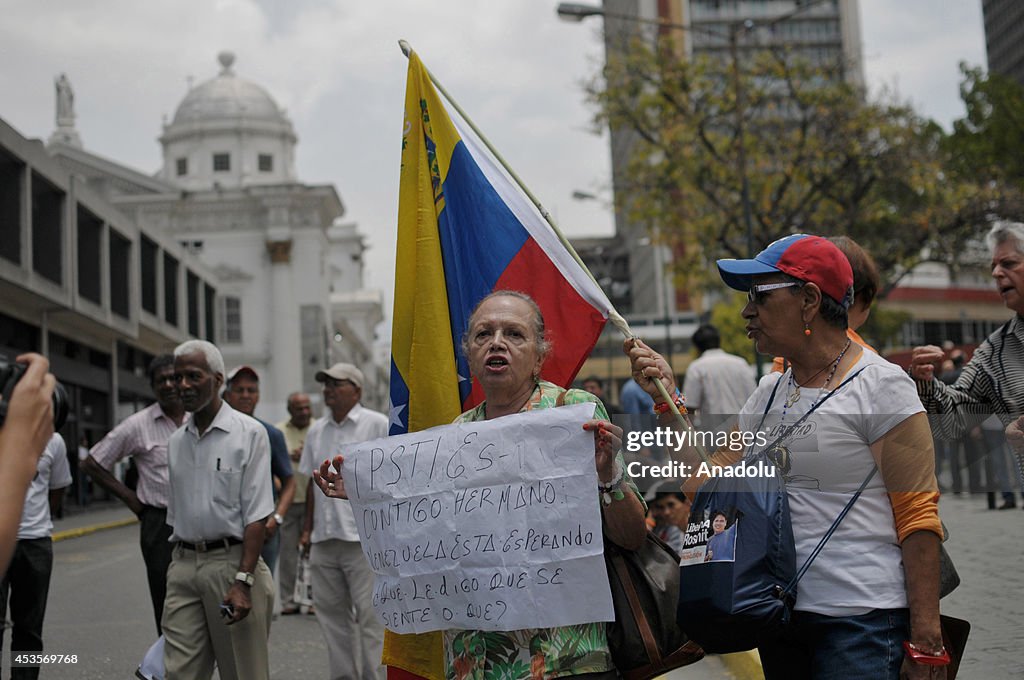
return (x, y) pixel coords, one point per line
(26, 430)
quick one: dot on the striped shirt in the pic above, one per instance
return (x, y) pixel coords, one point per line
(144, 436)
(992, 382)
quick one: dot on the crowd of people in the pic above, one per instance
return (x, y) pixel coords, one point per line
(224, 499)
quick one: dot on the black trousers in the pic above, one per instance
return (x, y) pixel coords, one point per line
(154, 540)
(27, 581)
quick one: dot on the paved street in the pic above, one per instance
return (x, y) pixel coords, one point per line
(987, 547)
(99, 607)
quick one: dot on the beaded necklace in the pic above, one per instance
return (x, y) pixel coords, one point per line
(779, 453)
(794, 395)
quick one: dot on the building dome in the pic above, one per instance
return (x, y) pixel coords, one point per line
(227, 97)
(228, 132)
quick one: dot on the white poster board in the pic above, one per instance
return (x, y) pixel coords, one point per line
(493, 525)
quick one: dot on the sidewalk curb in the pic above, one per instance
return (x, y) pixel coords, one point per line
(85, 531)
(743, 665)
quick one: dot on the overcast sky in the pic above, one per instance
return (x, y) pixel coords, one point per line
(335, 66)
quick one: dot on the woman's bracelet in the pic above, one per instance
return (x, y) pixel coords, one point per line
(678, 399)
(928, 657)
(609, 490)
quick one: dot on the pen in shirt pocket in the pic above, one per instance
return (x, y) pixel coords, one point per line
(218, 464)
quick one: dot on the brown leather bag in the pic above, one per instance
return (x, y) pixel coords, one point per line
(644, 639)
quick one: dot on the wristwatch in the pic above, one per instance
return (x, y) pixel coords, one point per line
(278, 518)
(245, 577)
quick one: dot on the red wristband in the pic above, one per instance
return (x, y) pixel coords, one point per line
(921, 656)
(677, 398)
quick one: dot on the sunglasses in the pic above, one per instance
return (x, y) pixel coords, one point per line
(758, 294)
(331, 382)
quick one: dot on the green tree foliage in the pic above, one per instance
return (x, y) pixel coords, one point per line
(987, 142)
(819, 158)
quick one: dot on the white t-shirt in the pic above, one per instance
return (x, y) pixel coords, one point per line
(333, 517)
(861, 567)
(52, 472)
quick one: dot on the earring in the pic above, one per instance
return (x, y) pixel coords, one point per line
(807, 330)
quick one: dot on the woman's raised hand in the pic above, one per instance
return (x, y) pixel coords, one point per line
(607, 442)
(330, 481)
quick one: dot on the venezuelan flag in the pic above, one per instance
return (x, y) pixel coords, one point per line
(464, 230)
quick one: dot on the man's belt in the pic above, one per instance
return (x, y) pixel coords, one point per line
(215, 544)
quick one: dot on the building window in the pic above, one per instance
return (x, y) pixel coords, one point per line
(12, 180)
(120, 280)
(148, 252)
(170, 290)
(232, 319)
(47, 230)
(182, 165)
(192, 293)
(209, 311)
(90, 240)
(221, 162)
(266, 162)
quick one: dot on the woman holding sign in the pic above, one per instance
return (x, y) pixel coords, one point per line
(506, 347)
(875, 585)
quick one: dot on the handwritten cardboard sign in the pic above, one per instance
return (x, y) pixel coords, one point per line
(492, 525)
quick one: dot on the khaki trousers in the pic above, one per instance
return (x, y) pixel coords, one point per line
(196, 635)
(343, 597)
(287, 561)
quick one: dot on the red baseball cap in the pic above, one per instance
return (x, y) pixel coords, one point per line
(809, 258)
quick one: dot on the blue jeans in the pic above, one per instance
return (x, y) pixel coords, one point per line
(816, 647)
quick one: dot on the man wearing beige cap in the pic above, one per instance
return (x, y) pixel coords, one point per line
(341, 578)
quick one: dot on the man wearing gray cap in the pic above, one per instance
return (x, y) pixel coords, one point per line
(341, 578)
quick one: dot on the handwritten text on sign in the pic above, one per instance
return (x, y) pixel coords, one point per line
(492, 525)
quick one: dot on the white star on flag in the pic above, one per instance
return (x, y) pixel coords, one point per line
(396, 414)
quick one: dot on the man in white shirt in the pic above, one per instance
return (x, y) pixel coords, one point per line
(27, 579)
(341, 578)
(717, 383)
(220, 498)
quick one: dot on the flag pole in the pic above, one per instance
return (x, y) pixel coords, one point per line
(613, 315)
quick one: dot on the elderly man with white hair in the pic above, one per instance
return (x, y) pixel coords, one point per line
(992, 382)
(219, 591)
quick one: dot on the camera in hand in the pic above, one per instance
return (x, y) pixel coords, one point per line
(10, 374)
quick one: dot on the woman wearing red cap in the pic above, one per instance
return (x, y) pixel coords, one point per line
(876, 583)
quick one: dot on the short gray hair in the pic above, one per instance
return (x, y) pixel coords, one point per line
(209, 350)
(543, 344)
(1003, 232)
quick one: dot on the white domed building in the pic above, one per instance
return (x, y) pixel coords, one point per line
(290, 297)
(229, 132)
